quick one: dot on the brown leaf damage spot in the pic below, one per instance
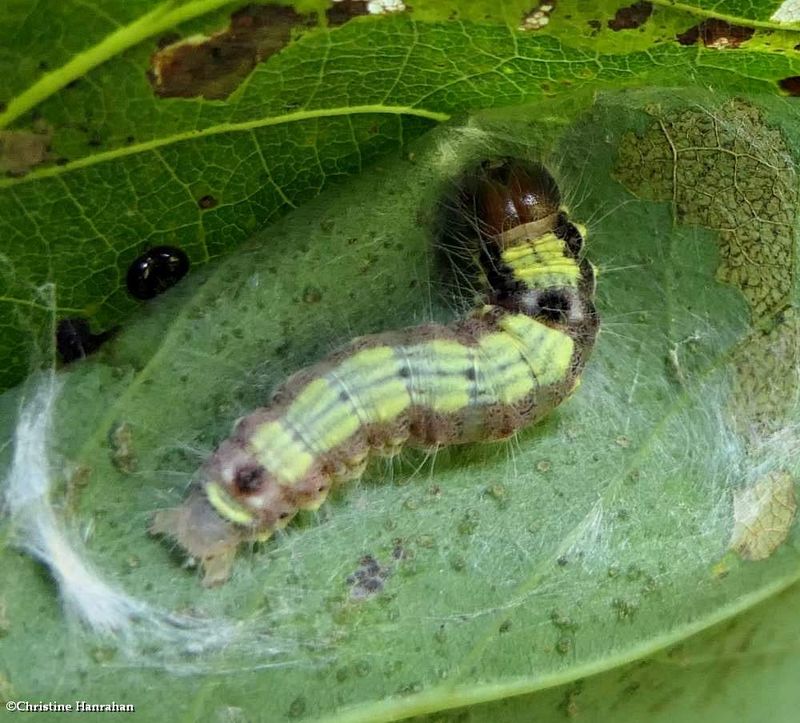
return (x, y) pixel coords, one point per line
(4, 624)
(766, 364)
(123, 455)
(20, 151)
(631, 17)
(763, 514)
(718, 34)
(213, 67)
(725, 169)
(207, 202)
(343, 10)
(791, 84)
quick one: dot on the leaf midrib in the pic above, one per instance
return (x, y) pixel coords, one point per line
(222, 128)
(446, 698)
(732, 19)
(167, 15)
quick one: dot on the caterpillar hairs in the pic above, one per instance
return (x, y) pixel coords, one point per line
(506, 364)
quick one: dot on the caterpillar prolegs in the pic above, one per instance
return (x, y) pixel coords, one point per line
(508, 363)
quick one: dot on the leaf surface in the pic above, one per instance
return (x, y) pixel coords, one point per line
(99, 167)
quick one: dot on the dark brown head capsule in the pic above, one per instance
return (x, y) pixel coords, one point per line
(155, 271)
(494, 204)
(501, 194)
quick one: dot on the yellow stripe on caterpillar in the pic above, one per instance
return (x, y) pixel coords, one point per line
(384, 402)
(547, 351)
(277, 448)
(221, 501)
(546, 245)
(535, 269)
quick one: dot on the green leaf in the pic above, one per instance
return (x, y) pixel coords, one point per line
(745, 668)
(733, 11)
(649, 507)
(100, 167)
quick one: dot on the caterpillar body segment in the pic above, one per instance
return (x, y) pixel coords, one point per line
(504, 366)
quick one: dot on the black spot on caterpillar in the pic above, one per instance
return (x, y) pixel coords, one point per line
(505, 365)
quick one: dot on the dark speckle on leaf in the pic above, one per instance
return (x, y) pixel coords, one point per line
(714, 33)
(121, 443)
(155, 271)
(368, 579)
(74, 339)
(298, 707)
(207, 202)
(371, 584)
(631, 17)
(791, 84)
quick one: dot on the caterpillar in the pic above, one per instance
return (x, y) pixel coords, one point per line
(505, 365)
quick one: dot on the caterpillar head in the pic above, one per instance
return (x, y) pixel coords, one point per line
(529, 250)
(499, 195)
(202, 533)
(488, 205)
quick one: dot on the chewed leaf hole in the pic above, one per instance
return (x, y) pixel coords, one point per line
(213, 67)
(714, 33)
(631, 17)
